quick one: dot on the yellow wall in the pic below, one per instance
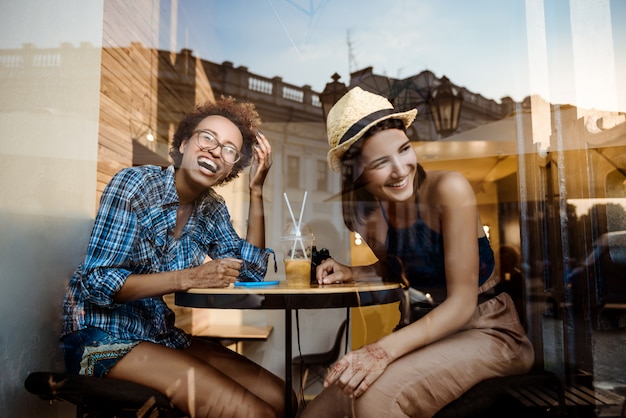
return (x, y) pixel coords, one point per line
(369, 323)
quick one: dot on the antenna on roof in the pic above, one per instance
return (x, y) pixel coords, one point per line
(352, 65)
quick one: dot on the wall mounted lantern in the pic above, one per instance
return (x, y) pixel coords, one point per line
(445, 107)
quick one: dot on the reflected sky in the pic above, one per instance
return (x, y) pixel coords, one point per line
(482, 45)
(305, 42)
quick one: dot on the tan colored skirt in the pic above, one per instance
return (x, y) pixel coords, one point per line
(493, 343)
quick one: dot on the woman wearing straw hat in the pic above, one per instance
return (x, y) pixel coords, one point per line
(425, 230)
(153, 232)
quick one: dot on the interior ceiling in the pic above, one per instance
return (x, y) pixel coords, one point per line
(489, 152)
(477, 170)
(486, 153)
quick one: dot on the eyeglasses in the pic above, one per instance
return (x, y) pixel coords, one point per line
(208, 142)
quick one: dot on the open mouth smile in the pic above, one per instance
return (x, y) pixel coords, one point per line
(399, 184)
(207, 164)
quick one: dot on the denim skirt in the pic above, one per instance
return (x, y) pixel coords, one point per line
(93, 352)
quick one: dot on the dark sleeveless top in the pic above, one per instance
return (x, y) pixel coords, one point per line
(416, 253)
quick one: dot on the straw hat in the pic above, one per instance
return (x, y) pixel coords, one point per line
(356, 112)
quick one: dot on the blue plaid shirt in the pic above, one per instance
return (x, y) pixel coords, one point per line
(133, 234)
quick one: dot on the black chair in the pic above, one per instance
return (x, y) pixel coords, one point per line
(318, 363)
(95, 397)
(538, 393)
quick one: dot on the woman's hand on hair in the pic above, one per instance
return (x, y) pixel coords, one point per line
(261, 162)
(357, 370)
(330, 271)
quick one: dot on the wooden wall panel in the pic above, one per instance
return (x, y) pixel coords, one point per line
(141, 87)
(128, 82)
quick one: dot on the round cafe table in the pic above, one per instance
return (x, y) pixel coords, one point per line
(287, 298)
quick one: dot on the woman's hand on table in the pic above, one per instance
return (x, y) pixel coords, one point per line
(357, 370)
(330, 271)
(215, 273)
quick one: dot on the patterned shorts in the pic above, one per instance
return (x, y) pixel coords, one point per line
(93, 352)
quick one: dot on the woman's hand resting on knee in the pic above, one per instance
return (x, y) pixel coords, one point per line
(357, 370)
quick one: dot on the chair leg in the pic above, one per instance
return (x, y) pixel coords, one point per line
(305, 376)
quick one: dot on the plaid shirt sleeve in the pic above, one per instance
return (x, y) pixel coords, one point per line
(112, 240)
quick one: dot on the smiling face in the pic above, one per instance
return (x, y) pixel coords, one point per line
(201, 168)
(390, 165)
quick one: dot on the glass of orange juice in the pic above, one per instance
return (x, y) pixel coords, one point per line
(297, 244)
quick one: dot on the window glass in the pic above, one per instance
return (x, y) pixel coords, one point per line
(535, 120)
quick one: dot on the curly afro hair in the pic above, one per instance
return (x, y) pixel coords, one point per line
(242, 114)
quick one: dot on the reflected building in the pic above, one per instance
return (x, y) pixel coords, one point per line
(418, 92)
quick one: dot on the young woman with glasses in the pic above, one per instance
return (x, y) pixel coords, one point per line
(153, 231)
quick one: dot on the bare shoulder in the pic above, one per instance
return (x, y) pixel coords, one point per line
(450, 187)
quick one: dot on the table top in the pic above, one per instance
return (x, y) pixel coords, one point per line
(283, 296)
(283, 288)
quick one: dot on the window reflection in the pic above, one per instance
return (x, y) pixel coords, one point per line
(293, 172)
(322, 175)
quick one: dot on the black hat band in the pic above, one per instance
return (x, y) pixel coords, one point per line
(363, 122)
